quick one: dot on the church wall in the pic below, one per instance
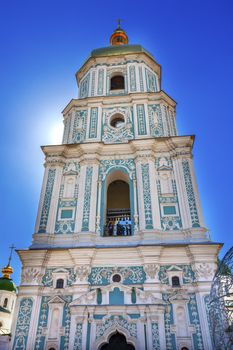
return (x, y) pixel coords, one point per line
(163, 192)
(181, 323)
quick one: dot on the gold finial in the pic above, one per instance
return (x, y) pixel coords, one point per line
(7, 270)
(119, 36)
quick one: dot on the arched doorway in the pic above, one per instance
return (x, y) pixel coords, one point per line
(117, 342)
(118, 215)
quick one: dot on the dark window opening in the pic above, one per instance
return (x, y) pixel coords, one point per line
(5, 302)
(184, 348)
(116, 278)
(117, 82)
(117, 120)
(175, 281)
(60, 283)
(118, 216)
(117, 341)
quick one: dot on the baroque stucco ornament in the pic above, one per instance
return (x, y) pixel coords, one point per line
(121, 134)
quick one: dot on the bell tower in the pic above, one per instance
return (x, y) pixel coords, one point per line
(120, 248)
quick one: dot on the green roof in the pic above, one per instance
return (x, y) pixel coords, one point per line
(119, 50)
(7, 284)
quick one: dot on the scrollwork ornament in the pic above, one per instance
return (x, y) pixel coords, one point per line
(31, 275)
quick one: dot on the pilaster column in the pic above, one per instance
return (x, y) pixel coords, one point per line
(147, 119)
(54, 199)
(181, 190)
(34, 323)
(196, 193)
(97, 225)
(42, 195)
(140, 195)
(72, 331)
(79, 213)
(154, 195)
(204, 321)
(135, 206)
(93, 202)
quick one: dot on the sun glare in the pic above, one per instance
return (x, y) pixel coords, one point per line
(55, 133)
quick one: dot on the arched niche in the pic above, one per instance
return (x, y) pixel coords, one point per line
(54, 324)
(117, 341)
(117, 82)
(118, 183)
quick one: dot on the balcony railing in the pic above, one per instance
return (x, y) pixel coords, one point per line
(118, 223)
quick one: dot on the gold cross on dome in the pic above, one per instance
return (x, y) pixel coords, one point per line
(119, 22)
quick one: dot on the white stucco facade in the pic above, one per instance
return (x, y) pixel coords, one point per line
(151, 284)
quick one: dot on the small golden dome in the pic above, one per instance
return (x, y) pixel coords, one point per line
(119, 36)
(7, 271)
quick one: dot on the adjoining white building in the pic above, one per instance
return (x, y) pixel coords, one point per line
(7, 304)
(120, 257)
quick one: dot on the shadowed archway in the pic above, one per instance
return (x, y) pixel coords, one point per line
(117, 342)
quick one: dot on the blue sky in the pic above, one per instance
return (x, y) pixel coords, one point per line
(43, 43)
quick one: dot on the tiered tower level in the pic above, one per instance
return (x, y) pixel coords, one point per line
(120, 247)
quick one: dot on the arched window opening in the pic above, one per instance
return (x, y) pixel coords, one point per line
(52, 349)
(184, 348)
(117, 341)
(175, 281)
(60, 283)
(5, 303)
(118, 217)
(117, 82)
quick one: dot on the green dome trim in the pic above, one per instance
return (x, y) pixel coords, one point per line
(7, 284)
(119, 50)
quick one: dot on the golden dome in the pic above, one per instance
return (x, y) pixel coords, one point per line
(7, 271)
(119, 36)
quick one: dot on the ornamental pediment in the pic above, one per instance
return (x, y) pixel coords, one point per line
(85, 299)
(56, 300)
(107, 292)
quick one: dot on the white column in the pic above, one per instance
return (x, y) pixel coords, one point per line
(42, 195)
(154, 196)
(98, 230)
(84, 333)
(140, 196)
(70, 136)
(140, 335)
(144, 77)
(147, 119)
(79, 213)
(88, 122)
(34, 322)
(54, 200)
(93, 203)
(135, 206)
(135, 120)
(99, 125)
(203, 321)
(162, 336)
(72, 331)
(196, 193)
(181, 190)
